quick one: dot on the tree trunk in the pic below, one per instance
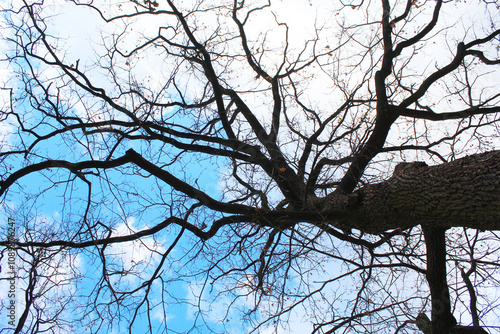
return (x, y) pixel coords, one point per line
(465, 192)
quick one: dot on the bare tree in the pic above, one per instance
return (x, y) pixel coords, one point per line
(230, 153)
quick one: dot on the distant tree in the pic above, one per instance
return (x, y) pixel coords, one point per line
(328, 163)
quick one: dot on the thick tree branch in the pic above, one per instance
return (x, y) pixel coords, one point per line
(432, 116)
(465, 192)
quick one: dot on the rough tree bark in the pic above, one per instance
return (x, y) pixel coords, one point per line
(462, 193)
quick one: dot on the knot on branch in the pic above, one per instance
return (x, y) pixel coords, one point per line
(425, 325)
(405, 168)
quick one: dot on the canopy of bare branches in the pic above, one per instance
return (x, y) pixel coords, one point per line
(252, 166)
